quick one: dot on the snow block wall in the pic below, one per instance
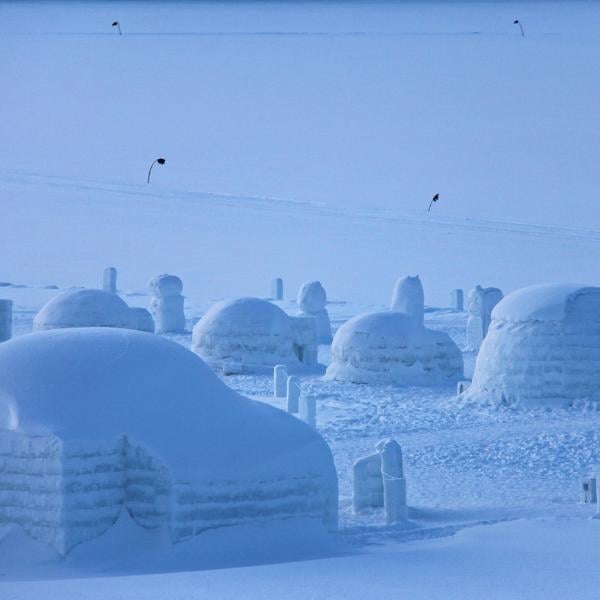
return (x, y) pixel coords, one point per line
(144, 425)
(312, 300)
(542, 349)
(257, 335)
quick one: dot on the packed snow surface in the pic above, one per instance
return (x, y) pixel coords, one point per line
(542, 348)
(83, 308)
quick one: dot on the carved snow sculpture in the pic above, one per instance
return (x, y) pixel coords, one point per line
(142, 320)
(277, 289)
(280, 376)
(542, 349)
(457, 300)
(293, 394)
(166, 305)
(109, 282)
(408, 297)
(257, 335)
(378, 481)
(312, 300)
(5, 320)
(83, 308)
(393, 348)
(481, 302)
(143, 425)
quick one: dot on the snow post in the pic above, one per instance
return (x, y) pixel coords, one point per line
(408, 297)
(109, 283)
(367, 484)
(457, 299)
(277, 289)
(308, 410)
(394, 484)
(5, 320)
(280, 381)
(293, 394)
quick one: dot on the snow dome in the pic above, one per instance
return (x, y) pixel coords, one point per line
(393, 347)
(256, 335)
(542, 348)
(83, 308)
(96, 421)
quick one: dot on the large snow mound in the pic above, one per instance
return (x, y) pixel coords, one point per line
(542, 348)
(93, 420)
(254, 334)
(83, 308)
(392, 347)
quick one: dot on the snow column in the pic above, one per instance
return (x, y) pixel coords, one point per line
(293, 394)
(280, 381)
(394, 484)
(480, 305)
(277, 289)
(308, 410)
(311, 301)
(166, 305)
(409, 298)
(110, 280)
(457, 300)
(367, 484)
(5, 320)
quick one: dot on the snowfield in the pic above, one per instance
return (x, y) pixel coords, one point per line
(305, 141)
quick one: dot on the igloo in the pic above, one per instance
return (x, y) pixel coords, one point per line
(94, 422)
(312, 300)
(83, 308)
(542, 349)
(256, 335)
(392, 347)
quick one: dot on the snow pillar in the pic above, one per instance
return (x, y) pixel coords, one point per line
(277, 289)
(5, 320)
(280, 381)
(480, 305)
(308, 410)
(110, 280)
(166, 305)
(311, 301)
(394, 484)
(293, 394)
(408, 297)
(367, 483)
(588, 491)
(457, 300)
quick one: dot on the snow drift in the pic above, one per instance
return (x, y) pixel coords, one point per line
(94, 421)
(542, 348)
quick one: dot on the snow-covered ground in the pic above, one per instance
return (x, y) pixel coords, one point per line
(305, 141)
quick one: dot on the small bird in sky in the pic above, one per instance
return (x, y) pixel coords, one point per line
(517, 22)
(435, 198)
(118, 26)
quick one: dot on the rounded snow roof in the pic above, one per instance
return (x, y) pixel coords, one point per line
(385, 324)
(83, 308)
(545, 302)
(94, 384)
(246, 316)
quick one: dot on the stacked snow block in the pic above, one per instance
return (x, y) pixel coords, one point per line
(306, 347)
(109, 282)
(480, 305)
(5, 320)
(166, 305)
(378, 481)
(312, 301)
